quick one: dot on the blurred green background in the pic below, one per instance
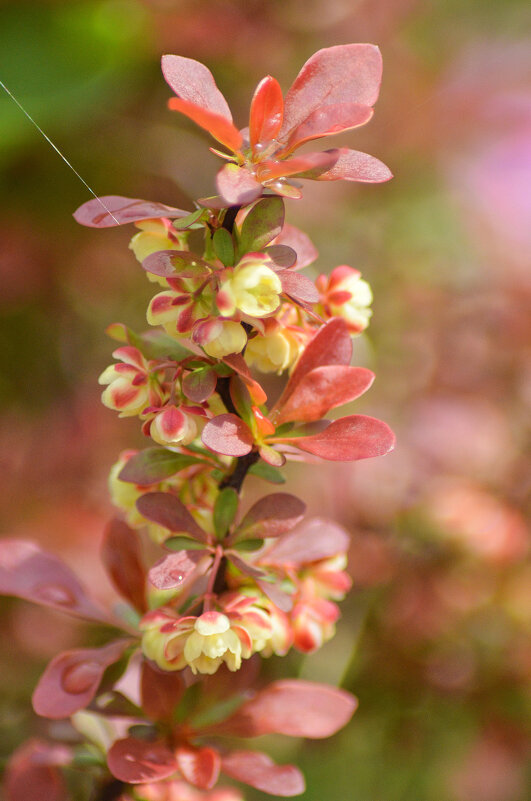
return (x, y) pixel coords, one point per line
(435, 637)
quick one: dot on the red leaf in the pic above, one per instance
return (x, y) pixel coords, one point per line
(271, 516)
(313, 540)
(298, 286)
(259, 770)
(72, 678)
(192, 81)
(293, 707)
(348, 73)
(324, 160)
(122, 558)
(135, 761)
(237, 186)
(199, 766)
(276, 595)
(352, 165)
(32, 773)
(267, 110)
(30, 573)
(347, 439)
(161, 691)
(168, 511)
(199, 385)
(228, 434)
(111, 210)
(172, 570)
(300, 242)
(217, 126)
(239, 365)
(331, 345)
(328, 120)
(323, 389)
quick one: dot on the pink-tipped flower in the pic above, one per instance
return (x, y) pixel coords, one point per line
(345, 294)
(218, 337)
(327, 578)
(173, 426)
(313, 621)
(277, 349)
(252, 288)
(267, 626)
(130, 386)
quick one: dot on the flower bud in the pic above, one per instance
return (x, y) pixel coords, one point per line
(273, 352)
(222, 337)
(172, 426)
(313, 622)
(128, 388)
(346, 295)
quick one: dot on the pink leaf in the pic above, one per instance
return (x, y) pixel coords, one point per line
(168, 511)
(30, 573)
(111, 210)
(293, 707)
(228, 434)
(348, 73)
(135, 761)
(216, 125)
(200, 384)
(239, 365)
(169, 264)
(199, 766)
(271, 516)
(276, 595)
(298, 286)
(300, 242)
(72, 678)
(322, 161)
(352, 165)
(237, 186)
(267, 110)
(161, 691)
(122, 557)
(331, 345)
(32, 773)
(246, 568)
(259, 770)
(194, 82)
(328, 120)
(281, 256)
(347, 439)
(172, 570)
(323, 389)
(313, 540)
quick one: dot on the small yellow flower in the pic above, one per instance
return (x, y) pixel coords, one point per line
(273, 352)
(227, 337)
(212, 642)
(253, 288)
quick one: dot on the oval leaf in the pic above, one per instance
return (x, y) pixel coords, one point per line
(259, 770)
(227, 434)
(313, 540)
(267, 112)
(111, 210)
(271, 516)
(71, 680)
(32, 773)
(323, 389)
(349, 73)
(217, 126)
(300, 242)
(171, 571)
(352, 165)
(237, 186)
(199, 385)
(261, 225)
(348, 439)
(153, 465)
(122, 558)
(281, 255)
(293, 707)
(135, 761)
(194, 82)
(328, 120)
(30, 573)
(169, 512)
(298, 286)
(225, 510)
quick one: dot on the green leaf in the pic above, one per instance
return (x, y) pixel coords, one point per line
(248, 545)
(261, 225)
(267, 472)
(225, 510)
(182, 543)
(224, 247)
(158, 345)
(153, 465)
(188, 221)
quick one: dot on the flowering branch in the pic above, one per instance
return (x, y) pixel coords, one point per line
(230, 582)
